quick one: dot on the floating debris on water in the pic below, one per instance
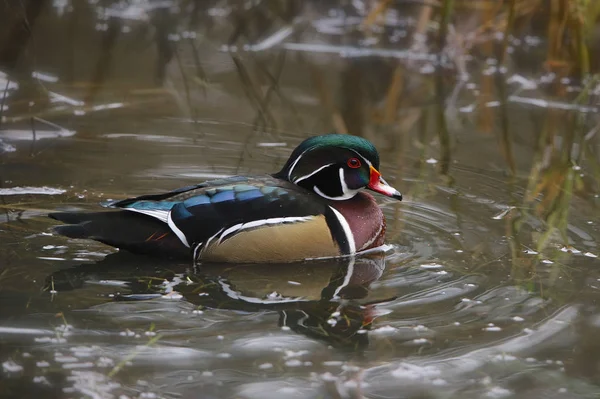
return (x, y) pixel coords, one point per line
(492, 327)
(32, 191)
(10, 366)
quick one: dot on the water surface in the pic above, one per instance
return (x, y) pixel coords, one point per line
(488, 288)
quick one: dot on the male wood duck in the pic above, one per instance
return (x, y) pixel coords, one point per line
(312, 208)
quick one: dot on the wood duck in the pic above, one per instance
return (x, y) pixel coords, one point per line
(312, 208)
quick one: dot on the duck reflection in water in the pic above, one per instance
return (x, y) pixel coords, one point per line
(324, 299)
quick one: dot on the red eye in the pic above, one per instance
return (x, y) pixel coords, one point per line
(354, 163)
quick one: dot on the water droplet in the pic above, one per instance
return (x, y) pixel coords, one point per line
(498, 392)
(492, 327)
(293, 363)
(431, 266)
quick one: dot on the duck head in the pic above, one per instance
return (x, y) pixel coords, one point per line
(336, 167)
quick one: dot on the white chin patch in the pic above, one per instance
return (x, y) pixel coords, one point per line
(346, 196)
(347, 192)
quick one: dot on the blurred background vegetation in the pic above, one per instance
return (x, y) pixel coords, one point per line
(402, 73)
(485, 113)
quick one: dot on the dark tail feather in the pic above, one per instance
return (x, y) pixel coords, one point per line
(72, 230)
(127, 230)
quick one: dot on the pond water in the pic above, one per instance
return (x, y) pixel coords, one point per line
(490, 282)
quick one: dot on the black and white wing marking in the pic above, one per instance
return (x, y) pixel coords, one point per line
(213, 212)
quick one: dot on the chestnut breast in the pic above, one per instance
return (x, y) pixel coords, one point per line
(365, 219)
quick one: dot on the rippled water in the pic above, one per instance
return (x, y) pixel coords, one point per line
(477, 294)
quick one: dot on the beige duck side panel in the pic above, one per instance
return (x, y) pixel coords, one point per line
(276, 243)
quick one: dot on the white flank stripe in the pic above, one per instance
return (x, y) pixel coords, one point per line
(196, 251)
(204, 245)
(257, 223)
(311, 174)
(155, 213)
(291, 219)
(212, 238)
(230, 230)
(347, 230)
(176, 230)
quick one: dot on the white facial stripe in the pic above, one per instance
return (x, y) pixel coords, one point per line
(367, 161)
(347, 192)
(159, 214)
(257, 223)
(177, 232)
(361, 157)
(311, 173)
(295, 163)
(343, 184)
(308, 149)
(347, 231)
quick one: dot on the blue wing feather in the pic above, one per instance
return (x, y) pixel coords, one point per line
(151, 205)
(249, 195)
(197, 201)
(223, 196)
(203, 210)
(180, 194)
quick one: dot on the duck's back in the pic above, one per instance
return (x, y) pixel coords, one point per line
(239, 219)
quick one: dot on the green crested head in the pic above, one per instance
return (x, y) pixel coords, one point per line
(331, 141)
(336, 166)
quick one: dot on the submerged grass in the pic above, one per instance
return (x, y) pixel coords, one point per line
(556, 181)
(132, 355)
